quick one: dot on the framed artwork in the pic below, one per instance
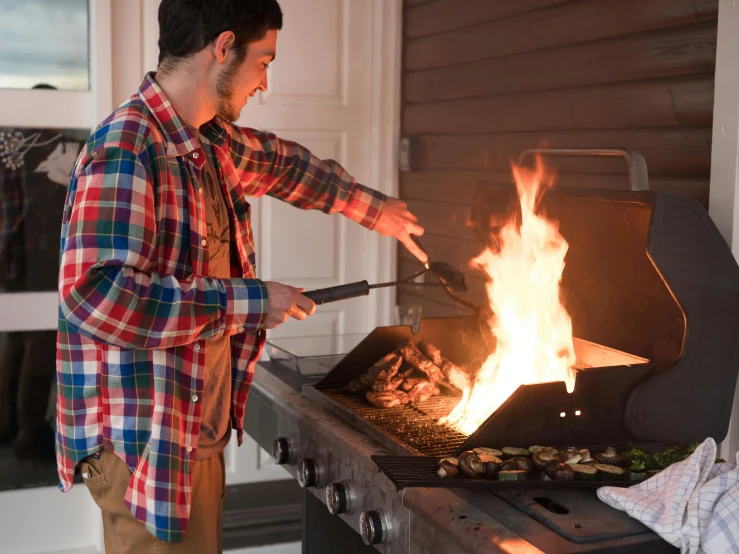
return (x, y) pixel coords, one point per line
(35, 168)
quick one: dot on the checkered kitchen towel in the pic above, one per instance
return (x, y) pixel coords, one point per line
(693, 505)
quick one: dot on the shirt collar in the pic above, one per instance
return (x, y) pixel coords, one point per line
(180, 139)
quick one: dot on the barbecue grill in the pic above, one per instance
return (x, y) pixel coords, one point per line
(639, 266)
(653, 292)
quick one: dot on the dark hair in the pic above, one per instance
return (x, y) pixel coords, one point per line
(188, 26)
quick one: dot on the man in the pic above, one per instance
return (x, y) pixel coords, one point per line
(161, 316)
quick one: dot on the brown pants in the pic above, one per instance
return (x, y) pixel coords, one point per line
(124, 534)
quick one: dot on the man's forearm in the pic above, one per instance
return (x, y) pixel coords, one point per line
(128, 308)
(290, 172)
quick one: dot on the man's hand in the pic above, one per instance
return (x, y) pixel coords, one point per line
(396, 221)
(286, 301)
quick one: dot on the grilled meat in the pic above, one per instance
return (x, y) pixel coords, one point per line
(410, 382)
(431, 352)
(356, 386)
(391, 384)
(414, 357)
(422, 391)
(407, 373)
(361, 384)
(383, 399)
(403, 397)
(387, 370)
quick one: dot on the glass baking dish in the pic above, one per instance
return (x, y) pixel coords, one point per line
(312, 356)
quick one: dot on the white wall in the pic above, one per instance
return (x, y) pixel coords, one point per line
(724, 191)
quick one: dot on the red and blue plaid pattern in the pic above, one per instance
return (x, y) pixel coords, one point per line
(136, 308)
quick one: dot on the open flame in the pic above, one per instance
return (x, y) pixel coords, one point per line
(533, 331)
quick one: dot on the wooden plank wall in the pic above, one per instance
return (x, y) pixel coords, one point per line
(485, 79)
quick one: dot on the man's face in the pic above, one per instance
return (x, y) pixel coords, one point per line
(236, 83)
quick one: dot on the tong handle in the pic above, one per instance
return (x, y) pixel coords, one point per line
(340, 292)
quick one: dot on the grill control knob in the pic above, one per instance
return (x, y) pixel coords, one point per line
(308, 472)
(281, 451)
(373, 527)
(339, 498)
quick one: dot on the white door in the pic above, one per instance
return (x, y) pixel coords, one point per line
(333, 88)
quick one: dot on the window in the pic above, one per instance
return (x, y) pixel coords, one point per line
(44, 44)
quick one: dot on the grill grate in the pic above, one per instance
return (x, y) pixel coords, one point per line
(414, 426)
(414, 471)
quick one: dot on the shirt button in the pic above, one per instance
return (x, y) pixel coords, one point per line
(204, 242)
(189, 448)
(194, 397)
(241, 329)
(195, 155)
(196, 348)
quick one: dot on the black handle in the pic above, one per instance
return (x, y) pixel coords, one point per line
(341, 292)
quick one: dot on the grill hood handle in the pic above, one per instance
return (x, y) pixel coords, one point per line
(637, 165)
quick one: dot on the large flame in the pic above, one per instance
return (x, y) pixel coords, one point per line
(532, 329)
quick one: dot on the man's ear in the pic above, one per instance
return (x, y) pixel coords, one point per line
(223, 44)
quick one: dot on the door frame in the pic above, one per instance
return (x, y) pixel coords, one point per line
(724, 185)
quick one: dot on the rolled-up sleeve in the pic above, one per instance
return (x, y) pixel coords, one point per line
(286, 170)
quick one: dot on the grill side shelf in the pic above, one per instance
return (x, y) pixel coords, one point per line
(417, 471)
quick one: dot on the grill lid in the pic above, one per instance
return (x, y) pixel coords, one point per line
(647, 274)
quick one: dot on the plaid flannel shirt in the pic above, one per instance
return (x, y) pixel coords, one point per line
(136, 305)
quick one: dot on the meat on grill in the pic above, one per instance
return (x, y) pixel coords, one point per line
(411, 373)
(384, 369)
(415, 357)
(423, 391)
(381, 385)
(388, 399)
(411, 382)
(431, 352)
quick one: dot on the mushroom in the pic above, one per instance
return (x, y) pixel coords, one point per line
(492, 464)
(448, 467)
(545, 456)
(471, 465)
(524, 464)
(611, 457)
(558, 471)
(586, 459)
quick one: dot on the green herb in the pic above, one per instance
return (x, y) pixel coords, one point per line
(641, 460)
(670, 456)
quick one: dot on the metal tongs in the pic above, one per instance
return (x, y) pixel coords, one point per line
(446, 276)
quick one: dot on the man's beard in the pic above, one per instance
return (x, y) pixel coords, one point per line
(224, 92)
